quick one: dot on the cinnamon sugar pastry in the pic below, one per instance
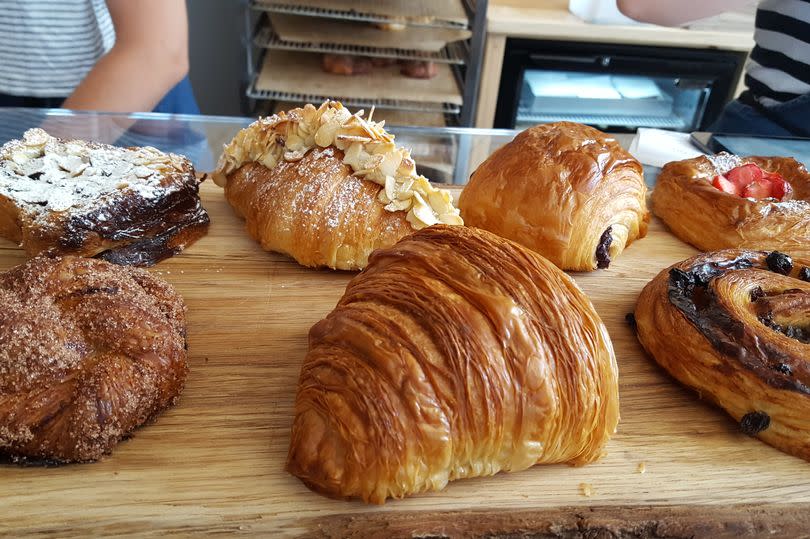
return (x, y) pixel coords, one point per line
(712, 217)
(455, 353)
(89, 351)
(735, 326)
(127, 205)
(327, 187)
(565, 190)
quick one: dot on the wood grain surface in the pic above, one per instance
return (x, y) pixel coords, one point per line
(215, 463)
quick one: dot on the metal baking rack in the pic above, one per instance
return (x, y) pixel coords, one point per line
(463, 57)
(398, 104)
(308, 11)
(453, 53)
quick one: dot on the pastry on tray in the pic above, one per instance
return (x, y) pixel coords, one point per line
(565, 190)
(735, 326)
(132, 206)
(89, 351)
(327, 187)
(454, 354)
(726, 201)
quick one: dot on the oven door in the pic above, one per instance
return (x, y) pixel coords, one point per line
(614, 87)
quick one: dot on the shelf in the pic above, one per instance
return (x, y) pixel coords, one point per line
(316, 9)
(398, 104)
(297, 76)
(453, 53)
(661, 122)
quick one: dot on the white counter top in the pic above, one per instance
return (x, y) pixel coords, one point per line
(550, 19)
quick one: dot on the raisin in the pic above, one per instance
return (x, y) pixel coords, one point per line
(630, 318)
(754, 422)
(756, 293)
(804, 274)
(784, 368)
(779, 262)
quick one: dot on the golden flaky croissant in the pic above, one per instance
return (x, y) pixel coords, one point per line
(565, 190)
(89, 351)
(735, 326)
(455, 353)
(327, 187)
(703, 205)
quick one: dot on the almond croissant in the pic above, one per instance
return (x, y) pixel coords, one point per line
(455, 353)
(327, 187)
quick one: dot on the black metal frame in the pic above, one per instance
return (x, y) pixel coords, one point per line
(723, 68)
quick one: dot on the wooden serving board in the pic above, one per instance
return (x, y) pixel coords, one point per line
(215, 462)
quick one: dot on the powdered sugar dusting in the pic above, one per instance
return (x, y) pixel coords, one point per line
(45, 175)
(724, 161)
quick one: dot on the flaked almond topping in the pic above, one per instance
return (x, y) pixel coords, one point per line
(368, 149)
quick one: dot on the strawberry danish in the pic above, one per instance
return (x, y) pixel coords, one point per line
(725, 201)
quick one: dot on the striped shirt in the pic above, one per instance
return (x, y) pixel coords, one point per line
(779, 67)
(48, 46)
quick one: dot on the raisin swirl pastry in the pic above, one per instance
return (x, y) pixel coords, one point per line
(565, 190)
(89, 351)
(327, 187)
(735, 326)
(454, 354)
(766, 205)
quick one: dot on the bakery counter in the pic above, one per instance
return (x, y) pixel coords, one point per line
(226, 459)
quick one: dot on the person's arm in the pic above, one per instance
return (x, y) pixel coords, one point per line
(149, 57)
(676, 12)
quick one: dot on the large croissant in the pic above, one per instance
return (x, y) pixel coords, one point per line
(455, 353)
(327, 187)
(565, 190)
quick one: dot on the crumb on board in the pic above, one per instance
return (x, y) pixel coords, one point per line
(586, 489)
(641, 468)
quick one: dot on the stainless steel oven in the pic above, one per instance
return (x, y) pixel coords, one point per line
(614, 87)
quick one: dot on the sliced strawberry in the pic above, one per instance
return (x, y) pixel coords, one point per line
(720, 182)
(758, 189)
(779, 187)
(745, 174)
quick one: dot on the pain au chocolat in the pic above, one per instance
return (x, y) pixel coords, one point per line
(735, 326)
(327, 187)
(89, 351)
(454, 354)
(133, 206)
(726, 201)
(565, 190)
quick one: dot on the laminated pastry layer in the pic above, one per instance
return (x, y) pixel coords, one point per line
(454, 354)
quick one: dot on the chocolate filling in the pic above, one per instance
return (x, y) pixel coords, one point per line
(690, 293)
(603, 249)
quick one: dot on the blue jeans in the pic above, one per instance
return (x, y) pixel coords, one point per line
(788, 119)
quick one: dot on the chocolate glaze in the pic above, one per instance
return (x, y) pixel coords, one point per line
(149, 224)
(603, 249)
(690, 293)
